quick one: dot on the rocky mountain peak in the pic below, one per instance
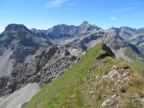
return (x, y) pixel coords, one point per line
(112, 33)
(18, 43)
(113, 40)
(127, 28)
(16, 31)
(33, 30)
(85, 22)
(15, 27)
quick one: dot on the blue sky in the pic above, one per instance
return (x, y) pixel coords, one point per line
(43, 14)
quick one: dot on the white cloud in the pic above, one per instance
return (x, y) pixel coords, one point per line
(54, 3)
(113, 18)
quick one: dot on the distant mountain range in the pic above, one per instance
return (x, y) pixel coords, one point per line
(18, 44)
(134, 36)
(65, 32)
(33, 58)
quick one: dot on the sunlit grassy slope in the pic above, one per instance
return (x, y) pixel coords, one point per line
(79, 86)
(138, 65)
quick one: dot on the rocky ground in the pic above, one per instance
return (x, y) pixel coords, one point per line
(43, 69)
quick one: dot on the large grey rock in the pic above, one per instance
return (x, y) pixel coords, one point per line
(110, 102)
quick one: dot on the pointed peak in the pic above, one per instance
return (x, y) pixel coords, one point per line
(85, 22)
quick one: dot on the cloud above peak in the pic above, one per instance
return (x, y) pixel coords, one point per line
(54, 3)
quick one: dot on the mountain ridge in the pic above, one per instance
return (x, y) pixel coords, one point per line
(84, 84)
(68, 30)
(20, 42)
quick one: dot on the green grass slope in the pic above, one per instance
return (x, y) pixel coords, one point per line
(138, 65)
(85, 84)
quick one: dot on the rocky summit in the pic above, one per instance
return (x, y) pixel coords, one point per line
(16, 44)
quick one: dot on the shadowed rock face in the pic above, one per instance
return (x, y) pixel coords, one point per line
(18, 37)
(40, 34)
(108, 52)
(21, 42)
(115, 42)
(134, 36)
(43, 69)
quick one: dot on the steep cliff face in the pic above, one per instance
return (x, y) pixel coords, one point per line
(96, 80)
(16, 44)
(120, 47)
